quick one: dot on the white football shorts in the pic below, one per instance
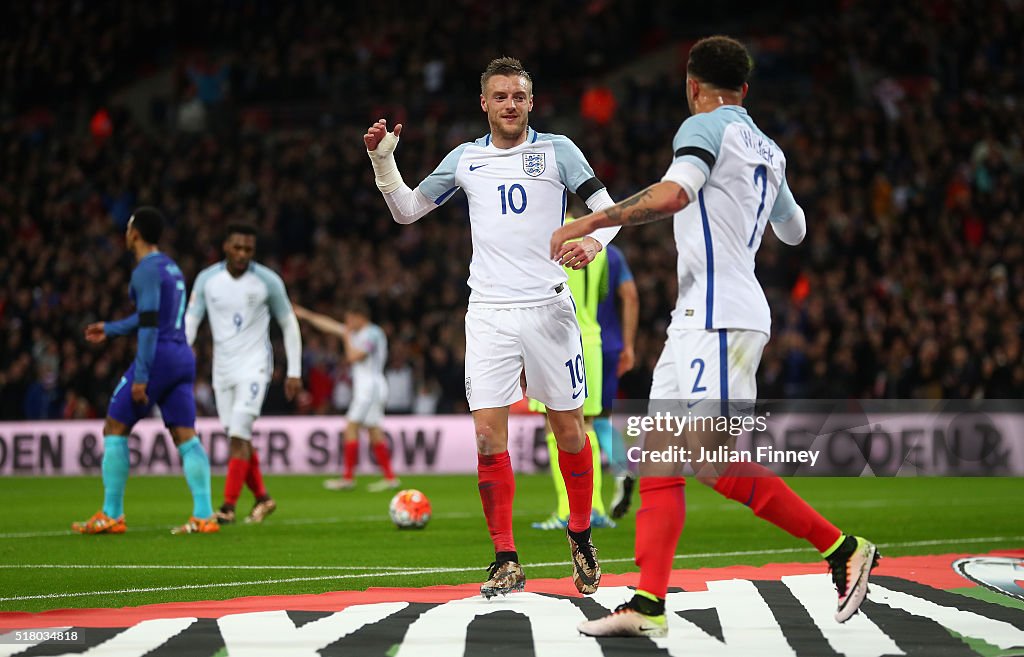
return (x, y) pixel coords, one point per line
(544, 341)
(368, 400)
(239, 403)
(712, 365)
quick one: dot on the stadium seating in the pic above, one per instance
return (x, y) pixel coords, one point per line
(903, 133)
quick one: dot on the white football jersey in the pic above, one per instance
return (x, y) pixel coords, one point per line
(517, 198)
(369, 371)
(718, 233)
(239, 310)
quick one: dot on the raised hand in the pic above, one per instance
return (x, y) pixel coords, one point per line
(377, 133)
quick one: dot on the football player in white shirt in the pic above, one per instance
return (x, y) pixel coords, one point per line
(366, 348)
(239, 296)
(521, 315)
(726, 183)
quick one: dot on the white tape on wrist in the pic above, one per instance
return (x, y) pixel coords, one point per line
(385, 169)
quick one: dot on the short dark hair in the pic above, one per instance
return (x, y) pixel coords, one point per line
(358, 307)
(238, 228)
(149, 222)
(504, 66)
(720, 61)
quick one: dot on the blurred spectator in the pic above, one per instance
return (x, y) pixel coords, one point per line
(401, 380)
(901, 125)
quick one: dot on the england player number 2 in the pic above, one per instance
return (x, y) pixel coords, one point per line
(760, 172)
(698, 363)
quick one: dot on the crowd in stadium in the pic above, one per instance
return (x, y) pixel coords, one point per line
(902, 130)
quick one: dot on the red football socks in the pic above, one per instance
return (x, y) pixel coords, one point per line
(771, 499)
(578, 474)
(351, 457)
(254, 480)
(659, 522)
(383, 454)
(497, 488)
(238, 470)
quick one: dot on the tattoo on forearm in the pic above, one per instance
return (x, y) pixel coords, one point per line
(627, 214)
(645, 216)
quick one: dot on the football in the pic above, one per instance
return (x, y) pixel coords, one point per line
(409, 509)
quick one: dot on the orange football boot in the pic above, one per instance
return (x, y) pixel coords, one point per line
(198, 526)
(100, 523)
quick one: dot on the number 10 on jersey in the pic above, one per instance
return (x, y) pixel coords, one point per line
(514, 200)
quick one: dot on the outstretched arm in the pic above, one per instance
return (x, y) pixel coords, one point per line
(659, 201)
(581, 253)
(406, 205)
(353, 353)
(320, 322)
(100, 330)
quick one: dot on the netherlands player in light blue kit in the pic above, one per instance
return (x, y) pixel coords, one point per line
(521, 316)
(163, 374)
(726, 183)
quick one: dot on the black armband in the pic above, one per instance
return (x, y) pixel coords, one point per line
(700, 153)
(589, 188)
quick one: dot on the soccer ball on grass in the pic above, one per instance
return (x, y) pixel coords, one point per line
(409, 509)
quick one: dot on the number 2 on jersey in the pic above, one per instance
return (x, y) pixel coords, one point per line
(509, 202)
(760, 172)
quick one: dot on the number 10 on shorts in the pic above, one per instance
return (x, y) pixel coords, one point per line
(577, 373)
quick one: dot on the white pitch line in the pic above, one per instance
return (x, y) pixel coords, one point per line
(284, 521)
(432, 571)
(339, 519)
(728, 506)
(188, 587)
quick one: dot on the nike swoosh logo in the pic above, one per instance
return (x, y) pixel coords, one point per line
(577, 394)
(474, 167)
(487, 484)
(580, 474)
(693, 403)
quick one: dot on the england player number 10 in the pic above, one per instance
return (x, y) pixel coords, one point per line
(511, 204)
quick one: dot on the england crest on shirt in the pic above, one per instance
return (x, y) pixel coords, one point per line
(533, 164)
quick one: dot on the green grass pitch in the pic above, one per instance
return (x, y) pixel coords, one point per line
(322, 541)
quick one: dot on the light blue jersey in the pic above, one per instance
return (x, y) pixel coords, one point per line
(372, 341)
(719, 232)
(517, 198)
(239, 310)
